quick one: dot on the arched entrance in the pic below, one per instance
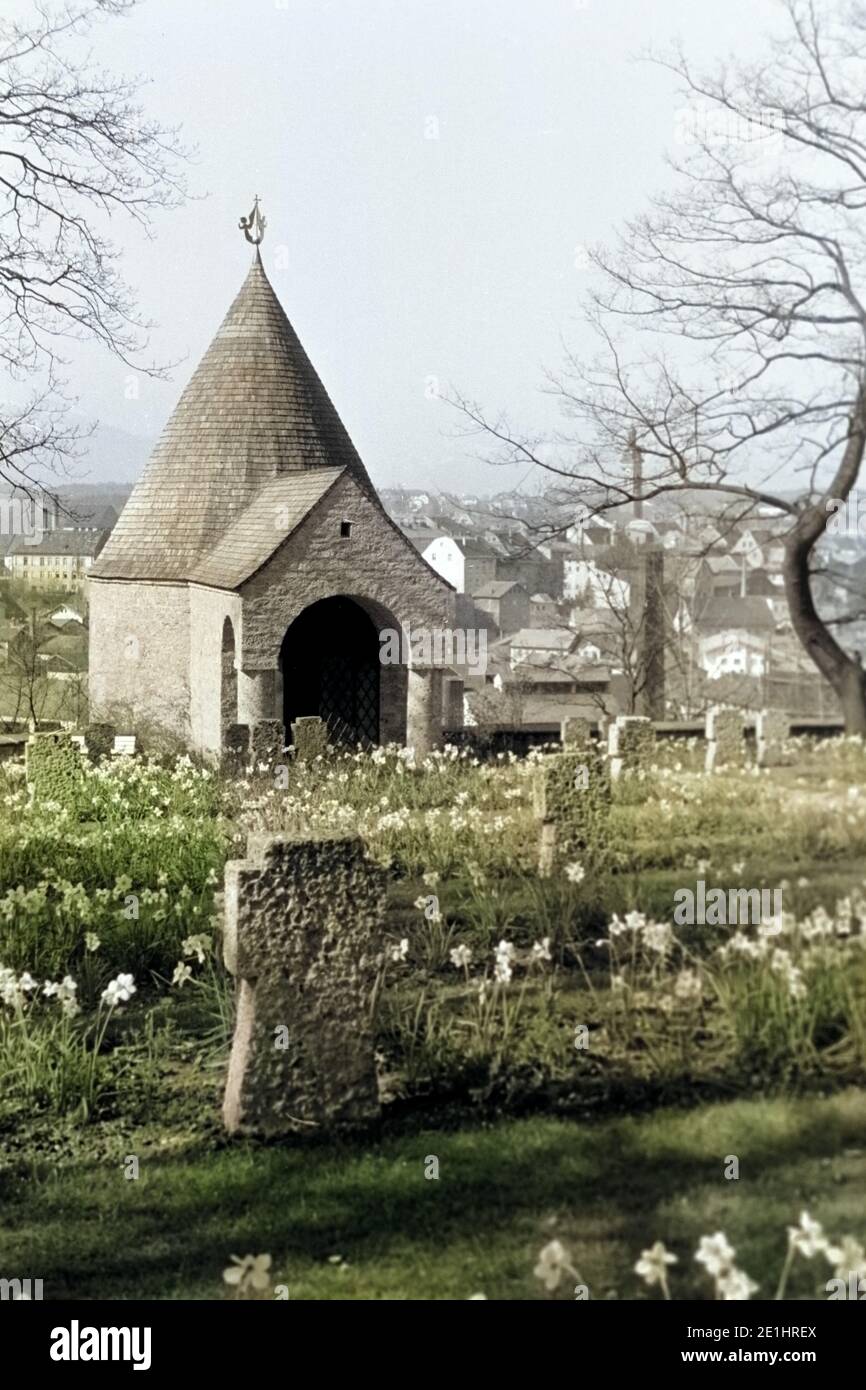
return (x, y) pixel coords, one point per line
(330, 666)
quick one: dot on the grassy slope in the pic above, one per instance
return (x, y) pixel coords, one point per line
(606, 1189)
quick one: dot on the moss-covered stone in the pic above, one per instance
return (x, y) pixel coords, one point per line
(575, 732)
(54, 768)
(631, 744)
(572, 801)
(726, 744)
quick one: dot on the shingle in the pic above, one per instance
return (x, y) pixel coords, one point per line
(254, 411)
(274, 513)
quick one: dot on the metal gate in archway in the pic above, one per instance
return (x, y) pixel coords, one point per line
(330, 666)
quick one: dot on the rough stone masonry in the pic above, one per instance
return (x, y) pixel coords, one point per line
(303, 935)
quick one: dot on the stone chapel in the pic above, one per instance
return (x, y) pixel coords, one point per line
(253, 568)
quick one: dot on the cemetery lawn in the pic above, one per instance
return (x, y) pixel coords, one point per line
(591, 1091)
(607, 1188)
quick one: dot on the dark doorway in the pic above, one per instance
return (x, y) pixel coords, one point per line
(330, 665)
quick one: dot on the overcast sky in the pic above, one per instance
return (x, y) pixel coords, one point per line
(428, 169)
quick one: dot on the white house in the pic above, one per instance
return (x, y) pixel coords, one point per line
(729, 653)
(582, 577)
(442, 553)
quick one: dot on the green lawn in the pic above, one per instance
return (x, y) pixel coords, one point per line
(605, 1188)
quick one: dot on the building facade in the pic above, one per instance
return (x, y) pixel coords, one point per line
(253, 570)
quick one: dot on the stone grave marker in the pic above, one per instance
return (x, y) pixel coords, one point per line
(575, 731)
(631, 744)
(267, 743)
(303, 936)
(236, 748)
(54, 768)
(99, 741)
(726, 744)
(773, 727)
(572, 801)
(310, 737)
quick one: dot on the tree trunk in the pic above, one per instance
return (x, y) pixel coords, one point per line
(844, 673)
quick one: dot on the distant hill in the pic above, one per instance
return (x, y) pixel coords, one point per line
(113, 456)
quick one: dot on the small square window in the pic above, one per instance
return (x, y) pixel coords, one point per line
(345, 529)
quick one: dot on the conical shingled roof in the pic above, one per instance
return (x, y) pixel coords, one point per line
(253, 411)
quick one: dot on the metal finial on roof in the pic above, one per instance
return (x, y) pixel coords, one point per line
(256, 220)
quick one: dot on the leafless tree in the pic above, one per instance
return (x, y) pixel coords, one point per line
(76, 150)
(26, 692)
(732, 316)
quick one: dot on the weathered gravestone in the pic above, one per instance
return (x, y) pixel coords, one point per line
(99, 741)
(54, 768)
(772, 729)
(575, 731)
(631, 744)
(726, 744)
(572, 800)
(303, 935)
(236, 748)
(310, 737)
(267, 743)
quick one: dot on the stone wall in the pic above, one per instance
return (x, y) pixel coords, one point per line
(376, 566)
(139, 656)
(208, 610)
(156, 649)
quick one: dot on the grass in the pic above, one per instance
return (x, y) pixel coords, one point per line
(606, 1189)
(535, 1140)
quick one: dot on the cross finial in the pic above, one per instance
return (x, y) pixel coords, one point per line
(255, 220)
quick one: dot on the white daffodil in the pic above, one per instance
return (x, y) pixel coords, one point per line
(91, 941)
(400, 951)
(658, 937)
(251, 1272)
(182, 973)
(687, 987)
(715, 1254)
(652, 1265)
(118, 991)
(503, 963)
(197, 946)
(735, 1286)
(461, 957)
(575, 873)
(848, 1257)
(502, 971)
(540, 950)
(808, 1237)
(553, 1265)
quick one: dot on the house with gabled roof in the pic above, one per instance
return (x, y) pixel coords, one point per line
(253, 570)
(506, 601)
